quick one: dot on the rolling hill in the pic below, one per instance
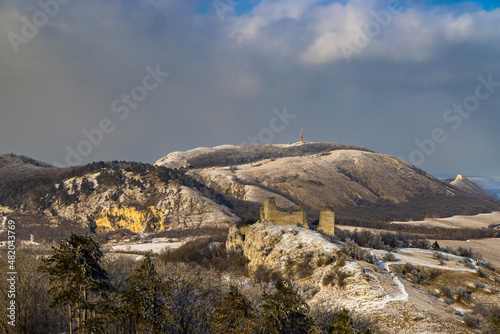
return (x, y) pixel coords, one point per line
(358, 183)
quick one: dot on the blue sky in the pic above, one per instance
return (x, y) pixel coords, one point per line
(245, 6)
(487, 4)
(394, 91)
(240, 6)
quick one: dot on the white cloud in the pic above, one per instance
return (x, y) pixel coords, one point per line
(325, 33)
(250, 26)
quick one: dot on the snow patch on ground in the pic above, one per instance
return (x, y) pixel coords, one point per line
(156, 247)
(475, 221)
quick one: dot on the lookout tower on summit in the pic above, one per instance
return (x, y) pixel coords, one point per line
(301, 136)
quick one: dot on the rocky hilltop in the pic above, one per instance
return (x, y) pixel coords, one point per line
(464, 184)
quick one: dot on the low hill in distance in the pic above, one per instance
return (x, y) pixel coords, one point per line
(14, 166)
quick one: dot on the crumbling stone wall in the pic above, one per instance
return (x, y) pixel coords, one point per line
(270, 213)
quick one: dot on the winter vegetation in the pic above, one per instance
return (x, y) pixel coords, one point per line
(74, 288)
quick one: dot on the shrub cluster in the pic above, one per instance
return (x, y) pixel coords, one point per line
(485, 318)
(354, 251)
(386, 240)
(418, 275)
(205, 252)
(337, 276)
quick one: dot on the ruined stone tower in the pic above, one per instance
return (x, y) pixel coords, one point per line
(326, 221)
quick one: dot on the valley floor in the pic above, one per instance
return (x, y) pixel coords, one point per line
(488, 248)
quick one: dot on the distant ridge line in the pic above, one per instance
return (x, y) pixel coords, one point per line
(238, 155)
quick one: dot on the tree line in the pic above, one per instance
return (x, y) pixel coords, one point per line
(74, 288)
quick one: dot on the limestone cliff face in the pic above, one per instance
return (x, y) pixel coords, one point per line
(180, 207)
(275, 246)
(285, 248)
(130, 218)
(114, 199)
(155, 208)
(184, 207)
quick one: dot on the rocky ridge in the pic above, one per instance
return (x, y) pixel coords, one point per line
(106, 197)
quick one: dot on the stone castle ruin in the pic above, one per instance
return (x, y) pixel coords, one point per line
(269, 213)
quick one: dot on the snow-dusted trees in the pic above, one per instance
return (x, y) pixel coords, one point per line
(78, 281)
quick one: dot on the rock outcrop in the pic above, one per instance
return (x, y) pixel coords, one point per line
(307, 257)
(464, 184)
(157, 207)
(384, 291)
(274, 246)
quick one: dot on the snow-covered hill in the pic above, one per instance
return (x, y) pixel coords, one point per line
(356, 182)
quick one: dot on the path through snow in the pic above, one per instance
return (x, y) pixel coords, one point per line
(406, 255)
(401, 296)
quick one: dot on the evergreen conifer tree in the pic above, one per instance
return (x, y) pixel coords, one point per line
(285, 311)
(78, 281)
(233, 314)
(145, 301)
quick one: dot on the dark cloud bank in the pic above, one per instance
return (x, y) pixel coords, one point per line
(137, 80)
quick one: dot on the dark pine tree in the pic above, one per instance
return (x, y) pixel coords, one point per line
(145, 303)
(78, 281)
(233, 314)
(285, 311)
